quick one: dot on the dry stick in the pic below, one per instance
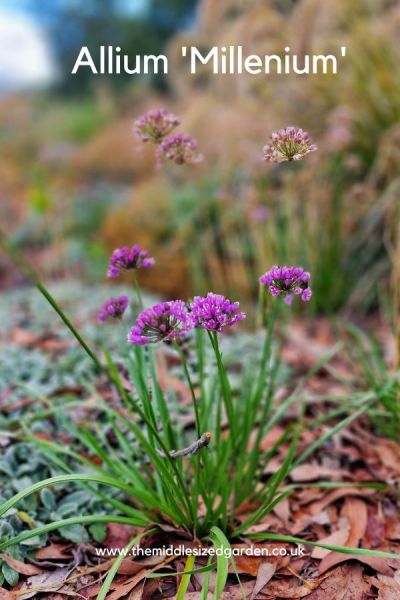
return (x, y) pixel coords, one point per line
(202, 442)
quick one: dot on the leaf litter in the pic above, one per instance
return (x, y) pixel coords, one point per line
(347, 516)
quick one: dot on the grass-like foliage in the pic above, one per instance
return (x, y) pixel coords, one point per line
(196, 481)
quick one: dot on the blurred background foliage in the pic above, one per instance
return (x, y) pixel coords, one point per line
(75, 183)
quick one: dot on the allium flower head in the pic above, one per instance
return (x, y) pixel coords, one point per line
(154, 125)
(129, 259)
(288, 281)
(166, 321)
(288, 143)
(180, 149)
(214, 312)
(113, 308)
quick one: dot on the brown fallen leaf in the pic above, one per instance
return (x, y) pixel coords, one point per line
(125, 587)
(50, 581)
(388, 587)
(250, 564)
(344, 583)
(314, 471)
(316, 507)
(19, 566)
(355, 511)
(118, 535)
(53, 552)
(337, 538)
(264, 575)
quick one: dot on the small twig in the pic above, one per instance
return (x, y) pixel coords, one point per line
(202, 442)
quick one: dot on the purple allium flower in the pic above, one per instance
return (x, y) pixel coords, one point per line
(288, 143)
(129, 259)
(166, 321)
(214, 311)
(288, 281)
(154, 125)
(113, 308)
(180, 149)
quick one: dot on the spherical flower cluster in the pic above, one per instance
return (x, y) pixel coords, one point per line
(113, 308)
(129, 259)
(154, 125)
(166, 321)
(214, 312)
(288, 281)
(180, 149)
(288, 144)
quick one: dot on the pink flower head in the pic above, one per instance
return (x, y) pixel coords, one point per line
(214, 312)
(166, 321)
(154, 125)
(289, 144)
(288, 281)
(129, 259)
(113, 308)
(180, 149)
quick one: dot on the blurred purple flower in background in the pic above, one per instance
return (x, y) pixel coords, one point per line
(154, 125)
(180, 149)
(287, 281)
(214, 311)
(288, 144)
(113, 308)
(166, 321)
(129, 259)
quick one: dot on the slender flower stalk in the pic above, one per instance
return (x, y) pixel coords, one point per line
(25, 267)
(191, 387)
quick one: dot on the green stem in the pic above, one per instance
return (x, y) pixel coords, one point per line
(190, 383)
(138, 292)
(14, 253)
(225, 385)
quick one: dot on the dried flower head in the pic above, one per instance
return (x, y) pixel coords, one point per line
(166, 321)
(129, 259)
(288, 281)
(288, 143)
(154, 125)
(180, 149)
(113, 308)
(214, 312)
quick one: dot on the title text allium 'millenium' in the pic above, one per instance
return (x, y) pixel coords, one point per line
(154, 125)
(113, 308)
(166, 321)
(288, 143)
(288, 281)
(180, 149)
(129, 259)
(214, 312)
